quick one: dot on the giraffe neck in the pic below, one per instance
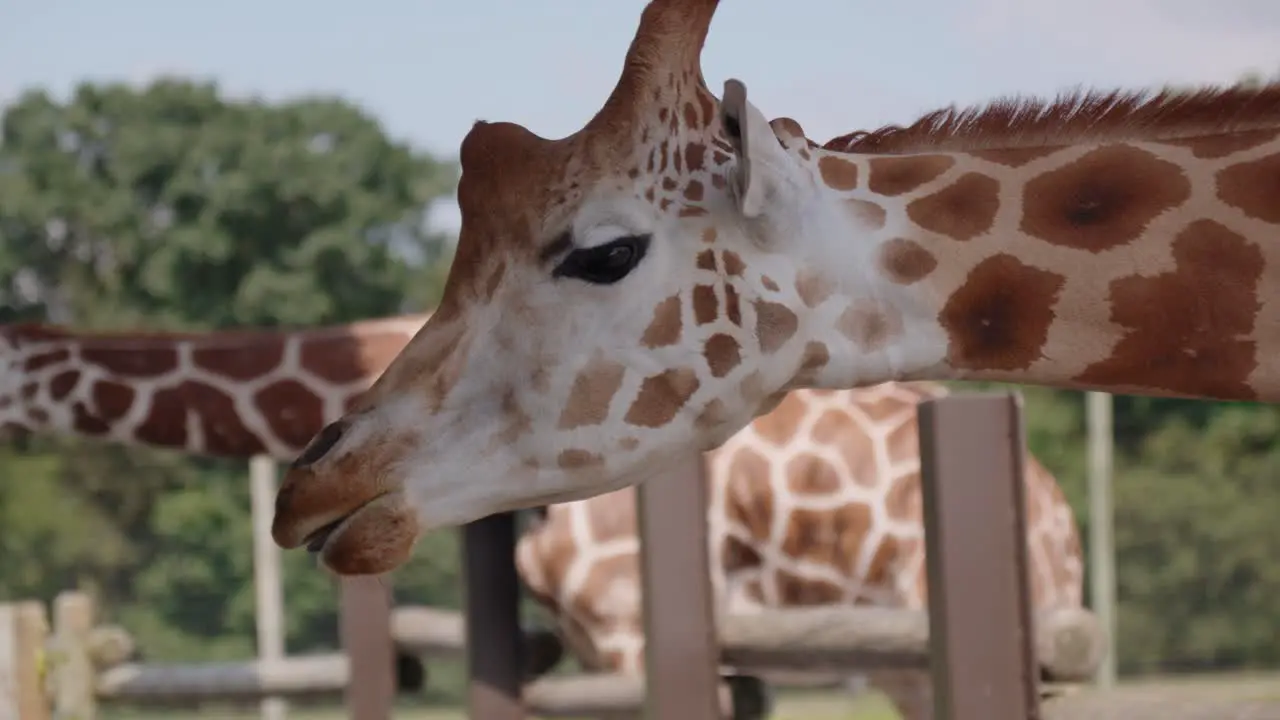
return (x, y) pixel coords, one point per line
(224, 393)
(1148, 267)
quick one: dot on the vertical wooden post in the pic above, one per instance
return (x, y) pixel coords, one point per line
(24, 631)
(267, 583)
(1102, 551)
(681, 652)
(365, 625)
(980, 622)
(495, 643)
(74, 693)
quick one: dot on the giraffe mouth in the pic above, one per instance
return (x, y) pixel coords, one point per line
(316, 540)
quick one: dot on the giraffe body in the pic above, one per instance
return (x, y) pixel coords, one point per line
(642, 289)
(815, 503)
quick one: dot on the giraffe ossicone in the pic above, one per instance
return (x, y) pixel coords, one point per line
(641, 289)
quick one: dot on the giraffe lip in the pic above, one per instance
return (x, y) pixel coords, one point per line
(318, 538)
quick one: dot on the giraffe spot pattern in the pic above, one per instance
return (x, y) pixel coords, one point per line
(775, 325)
(808, 474)
(705, 305)
(868, 327)
(1212, 147)
(837, 430)
(733, 265)
(779, 427)
(906, 261)
(344, 359)
(40, 361)
(732, 306)
(838, 173)
(214, 410)
(665, 327)
(1185, 329)
(999, 319)
(1102, 200)
(963, 210)
(591, 394)
(243, 362)
(812, 362)
(575, 459)
(1253, 188)
(661, 396)
(813, 288)
(736, 555)
(722, 353)
(892, 176)
(62, 384)
(1014, 157)
(132, 362)
(112, 400)
(798, 591)
(748, 497)
(292, 411)
(867, 212)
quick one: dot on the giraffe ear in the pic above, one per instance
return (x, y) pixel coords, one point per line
(756, 146)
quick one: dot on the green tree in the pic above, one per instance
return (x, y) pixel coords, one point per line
(173, 206)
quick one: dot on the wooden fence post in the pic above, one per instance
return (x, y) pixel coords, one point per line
(75, 685)
(24, 631)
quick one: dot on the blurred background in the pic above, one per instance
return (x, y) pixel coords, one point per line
(205, 165)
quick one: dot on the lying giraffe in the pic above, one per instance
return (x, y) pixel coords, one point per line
(817, 502)
(642, 289)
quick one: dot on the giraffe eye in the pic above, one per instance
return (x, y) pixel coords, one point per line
(604, 264)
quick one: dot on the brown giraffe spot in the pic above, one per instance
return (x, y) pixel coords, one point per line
(813, 288)
(1211, 147)
(775, 325)
(86, 422)
(868, 326)
(345, 359)
(38, 415)
(220, 424)
(661, 396)
(705, 305)
(29, 390)
(707, 260)
(722, 353)
(748, 496)
(808, 474)
(575, 459)
(62, 384)
(629, 443)
(1102, 200)
(1014, 157)
(693, 192)
(665, 327)
(246, 362)
(906, 261)
(962, 210)
(709, 235)
(999, 319)
(689, 211)
(732, 307)
(895, 175)
(1253, 188)
(780, 426)
(733, 265)
(903, 442)
(872, 214)
(882, 562)
(736, 555)
(292, 411)
(1187, 331)
(713, 415)
(797, 591)
(132, 362)
(836, 429)
(42, 360)
(592, 393)
(904, 501)
(838, 173)
(753, 590)
(669, 183)
(112, 400)
(812, 362)
(695, 156)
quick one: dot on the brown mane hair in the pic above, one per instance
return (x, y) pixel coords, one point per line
(1026, 122)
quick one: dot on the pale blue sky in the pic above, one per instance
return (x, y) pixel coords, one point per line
(429, 68)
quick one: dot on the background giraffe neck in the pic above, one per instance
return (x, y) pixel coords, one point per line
(221, 393)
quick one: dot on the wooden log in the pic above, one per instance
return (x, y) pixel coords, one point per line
(594, 695)
(421, 630)
(1193, 700)
(292, 676)
(1068, 642)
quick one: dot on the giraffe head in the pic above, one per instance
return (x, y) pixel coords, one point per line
(612, 295)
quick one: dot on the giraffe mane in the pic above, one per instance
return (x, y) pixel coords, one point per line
(1013, 122)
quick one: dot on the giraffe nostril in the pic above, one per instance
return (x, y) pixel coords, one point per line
(321, 444)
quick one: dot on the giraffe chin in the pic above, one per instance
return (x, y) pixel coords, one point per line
(377, 538)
